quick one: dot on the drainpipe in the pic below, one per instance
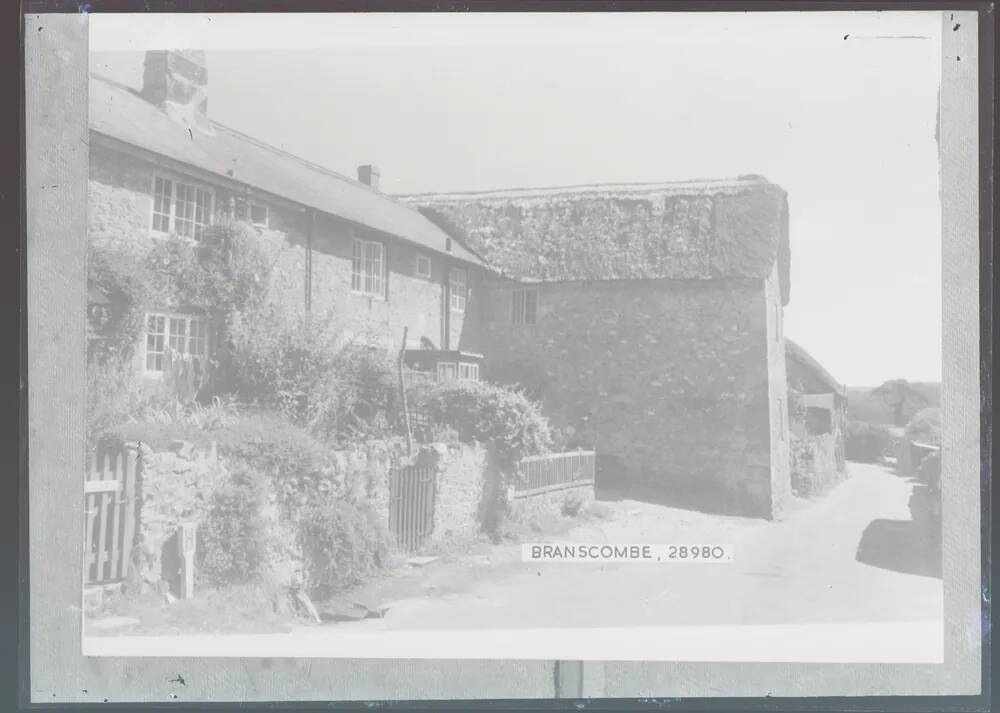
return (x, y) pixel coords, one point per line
(308, 267)
(446, 307)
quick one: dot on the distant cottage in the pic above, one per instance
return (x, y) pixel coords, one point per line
(646, 317)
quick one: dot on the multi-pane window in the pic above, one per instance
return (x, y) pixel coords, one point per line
(468, 371)
(524, 307)
(368, 268)
(458, 288)
(163, 193)
(446, 370)
(423, 266)
(180, 208)
(181, 334)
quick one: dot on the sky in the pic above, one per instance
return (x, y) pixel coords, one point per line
(838, 108)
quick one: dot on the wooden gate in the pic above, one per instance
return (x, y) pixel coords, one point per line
(411, 505)
(109, 504)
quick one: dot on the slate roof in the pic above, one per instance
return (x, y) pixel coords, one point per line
(685, 230)
(800, 357)
(119, 112)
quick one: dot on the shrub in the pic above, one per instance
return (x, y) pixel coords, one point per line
(867, 442)
(488, 413)
(342, 543)
(233, 544)
(299, 465)
(925, 426)
(300, 370)
(802, 466)
(573, 503)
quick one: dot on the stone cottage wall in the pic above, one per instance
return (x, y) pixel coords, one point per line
(119, 215)
(670, 378)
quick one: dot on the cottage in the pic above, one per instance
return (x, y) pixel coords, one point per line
(160, 166)
(647, 318)
(824, 404)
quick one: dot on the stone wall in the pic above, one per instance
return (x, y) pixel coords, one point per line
(173, 487)
(669, 377)
(553, 501)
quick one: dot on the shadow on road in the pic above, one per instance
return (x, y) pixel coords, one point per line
(902, 546)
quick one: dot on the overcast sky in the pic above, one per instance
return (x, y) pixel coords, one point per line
(475, 101)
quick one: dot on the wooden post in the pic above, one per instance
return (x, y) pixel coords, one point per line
(186, 538)
(402, 394)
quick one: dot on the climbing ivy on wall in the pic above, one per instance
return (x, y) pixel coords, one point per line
(223, 274)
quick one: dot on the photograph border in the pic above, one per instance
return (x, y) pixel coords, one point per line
(56, 135)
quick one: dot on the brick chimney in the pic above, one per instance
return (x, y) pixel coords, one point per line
(368, 175)
(177, 82)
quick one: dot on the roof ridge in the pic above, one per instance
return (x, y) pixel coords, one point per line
(749, 179)
(262, 144)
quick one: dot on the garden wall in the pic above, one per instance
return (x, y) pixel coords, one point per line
(173, 486)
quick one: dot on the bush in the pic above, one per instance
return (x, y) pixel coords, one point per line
(342, 543)
(803, 471)
(867, 442)
(233, 544)
(488, 413)
(925, 426)
(573, 503)
(300, 370)
(299, 466)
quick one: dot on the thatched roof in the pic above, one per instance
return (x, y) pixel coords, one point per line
(803, 369)
(691, 230)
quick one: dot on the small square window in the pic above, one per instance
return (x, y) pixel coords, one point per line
(258, 215)
(423, 266)
(524, 307)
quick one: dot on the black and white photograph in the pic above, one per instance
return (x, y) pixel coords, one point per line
(592, 336)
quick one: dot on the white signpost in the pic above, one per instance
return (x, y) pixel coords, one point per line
(186, 538)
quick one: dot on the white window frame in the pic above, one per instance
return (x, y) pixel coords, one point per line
(519, 312)
(267, 215)
(363, 281)
(447, 370)
(171, 215)
(171, 338)
(425, 259)
(458, 288)
(467, 370)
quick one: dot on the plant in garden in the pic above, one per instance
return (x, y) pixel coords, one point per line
(343, 543)
(233, 542)
(488, 413)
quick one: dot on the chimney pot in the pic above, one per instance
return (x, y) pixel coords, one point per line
(369, 175)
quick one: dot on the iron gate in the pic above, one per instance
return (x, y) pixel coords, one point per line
(411, 505)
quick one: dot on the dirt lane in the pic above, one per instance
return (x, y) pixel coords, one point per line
(801, 570)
